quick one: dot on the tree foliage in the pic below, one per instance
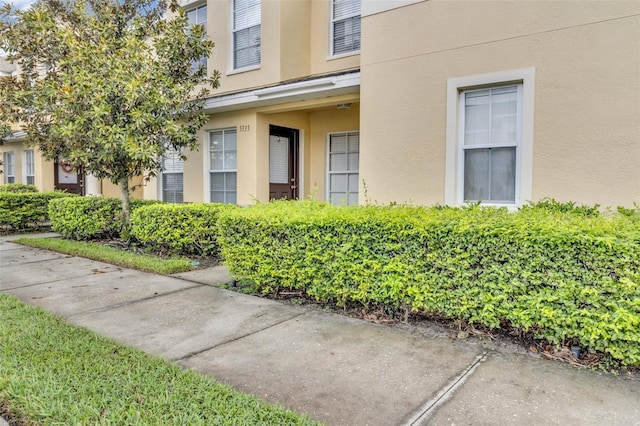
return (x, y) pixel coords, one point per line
(106, 84)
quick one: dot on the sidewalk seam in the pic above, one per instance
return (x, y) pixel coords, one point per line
(65, 256)
(445, 393)
(131, 302)
(235, 339)
(42, 283)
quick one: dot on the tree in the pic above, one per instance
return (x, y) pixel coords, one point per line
(108, 85)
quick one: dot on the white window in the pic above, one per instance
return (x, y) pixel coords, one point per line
(9, 168)
(223, 153)
(172, 176)
(343, 168)
(490, 138)
(29, 167)
(491, 120)
(345, 26)
(198, 16)
(246, 33)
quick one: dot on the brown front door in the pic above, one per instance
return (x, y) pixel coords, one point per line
(283, 163)
(68, 178)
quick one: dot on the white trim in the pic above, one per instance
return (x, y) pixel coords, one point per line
(190, 4)
(300, 183)
(232, 63)
(327, 171)
(25, 168)
(372, 7)
(331, 35)
(231, 71)
(524, 159)
(163, 173)
(342, 55)
(285, 93)
(16, 136)
(208, 165)
(302, 86)
(5, 163)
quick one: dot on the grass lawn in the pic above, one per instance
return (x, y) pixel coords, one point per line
(111, 255)
(52, 372)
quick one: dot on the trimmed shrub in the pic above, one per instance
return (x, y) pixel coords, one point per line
(190, 229)
(87, 218)
(551, 205)
(18, 188)
(560, 276)
(20, 210)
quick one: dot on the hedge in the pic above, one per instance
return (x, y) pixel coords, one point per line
(20, 210)
(563, 277)
(18, 187)
(189, 229)
(87, 218)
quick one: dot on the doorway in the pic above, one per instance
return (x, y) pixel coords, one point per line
(284, 154)
(68, 178)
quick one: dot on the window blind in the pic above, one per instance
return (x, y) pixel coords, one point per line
(246, 33)
(278, 159)
(346, 26)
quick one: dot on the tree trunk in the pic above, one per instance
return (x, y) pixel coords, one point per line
(126, 208)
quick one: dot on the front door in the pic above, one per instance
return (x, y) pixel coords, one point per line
(283, 163)
(68, 178)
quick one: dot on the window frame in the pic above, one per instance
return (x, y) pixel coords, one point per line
(29, 166)
(9, 177)
(164, 173)
(332, 21)
(211, 170)
(348, 172)
(232, 52)
(202, 61)
(470, 147)
(454, 166)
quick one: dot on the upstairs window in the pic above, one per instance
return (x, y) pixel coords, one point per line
(246, 33)
(345, 26)
(29, 167)
(198, 16)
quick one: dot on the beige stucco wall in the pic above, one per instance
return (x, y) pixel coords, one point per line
(43, 178)
(587, 93)
(294, 44)
(314, 120)
(324, 123)
(321, 60)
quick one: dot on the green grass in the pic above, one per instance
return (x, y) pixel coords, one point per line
(54, 373)
(111, 255)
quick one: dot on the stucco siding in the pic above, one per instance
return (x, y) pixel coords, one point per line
(587, 93)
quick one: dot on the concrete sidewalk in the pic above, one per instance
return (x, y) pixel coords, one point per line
(339, 370)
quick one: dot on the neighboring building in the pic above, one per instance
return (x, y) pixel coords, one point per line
(417, 101)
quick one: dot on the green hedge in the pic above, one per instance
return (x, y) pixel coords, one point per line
(561, 276)
(18, 187)
(20, 210)
(189, 229)
(87, 218)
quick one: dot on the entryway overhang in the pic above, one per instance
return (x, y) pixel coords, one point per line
(309, 89)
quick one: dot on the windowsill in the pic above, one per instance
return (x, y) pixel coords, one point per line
(243, 70)
(190, 4)
(343, 55)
